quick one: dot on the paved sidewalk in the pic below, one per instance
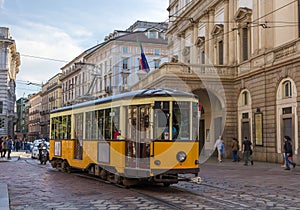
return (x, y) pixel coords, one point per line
(211, 171)
(4, 198)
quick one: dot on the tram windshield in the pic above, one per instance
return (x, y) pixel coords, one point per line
(177, 120)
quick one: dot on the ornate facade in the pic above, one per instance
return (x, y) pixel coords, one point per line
(242, 59)
(51, 95)
(113, 66)
(9, 68)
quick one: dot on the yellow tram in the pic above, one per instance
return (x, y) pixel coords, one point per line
(145, 135)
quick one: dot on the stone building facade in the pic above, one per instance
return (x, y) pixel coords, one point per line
(51, 98)
(34, 117)
(113, 66)
(242, 59)
(9, 68)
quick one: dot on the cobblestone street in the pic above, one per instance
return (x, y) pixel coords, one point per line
(224, 186)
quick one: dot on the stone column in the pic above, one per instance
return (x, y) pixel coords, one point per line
(226, 30)
(211, 19)
(232, 35)
(255, 38)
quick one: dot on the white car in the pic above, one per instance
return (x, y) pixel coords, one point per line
(35, 150)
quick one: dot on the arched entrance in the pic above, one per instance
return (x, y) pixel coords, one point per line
(211, 122)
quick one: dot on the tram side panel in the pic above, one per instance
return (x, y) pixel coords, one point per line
(103, 153)
(111, 153)
(165, 157)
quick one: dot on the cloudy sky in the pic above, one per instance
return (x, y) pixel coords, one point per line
(59, 30)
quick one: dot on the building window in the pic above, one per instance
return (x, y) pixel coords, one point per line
(221, 51)
(125, 49)
(287, 89)
(156, 63)
(218, 33)
(125, 63)
(156, 52)
(245, 115)
(1, 107)
(245, 41)
(152, 35)
(287, 110)
(245, 98)
(203, 57)
(243, 17)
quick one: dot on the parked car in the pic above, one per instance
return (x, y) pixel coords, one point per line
(35, 150)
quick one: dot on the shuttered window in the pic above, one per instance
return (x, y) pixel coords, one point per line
(245, 44)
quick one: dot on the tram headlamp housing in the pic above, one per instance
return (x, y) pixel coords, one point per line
(157, 162)
(181, 156)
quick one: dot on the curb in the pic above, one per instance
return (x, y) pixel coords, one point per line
(4, 200)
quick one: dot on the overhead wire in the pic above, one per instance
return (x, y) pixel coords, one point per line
(206, 40)
(249, 24)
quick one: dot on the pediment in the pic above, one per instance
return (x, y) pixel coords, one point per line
(217, 29)
(200, 41)
(242, 13)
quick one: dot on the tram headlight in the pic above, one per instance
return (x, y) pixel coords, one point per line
(181, 156)
(157, 162)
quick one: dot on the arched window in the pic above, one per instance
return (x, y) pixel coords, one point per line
(287, 89)
(286, 113)
(244, 116)
(245, 98)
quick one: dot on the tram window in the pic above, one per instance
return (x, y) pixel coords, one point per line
(164, 105)
(161, 119)
(88, 125)
(146, 121)
(79, 126)
(55, 128)
(61, 127)
(181, 119)
(95, 129)
(107, 125)
(65, 127)
(101, 124)
(195, 121)
(115, 117)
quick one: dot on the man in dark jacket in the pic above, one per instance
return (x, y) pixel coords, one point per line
(246, 149)
(288, 151)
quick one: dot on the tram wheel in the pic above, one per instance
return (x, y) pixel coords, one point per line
(166, 184)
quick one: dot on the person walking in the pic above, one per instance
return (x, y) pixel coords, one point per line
(288, 153)
(1, 142)
(219, 145)
(4, 146)
(247, 151)
(234, 149)
(9, 147)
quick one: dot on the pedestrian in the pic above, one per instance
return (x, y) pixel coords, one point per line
(288, 153)
(4, 146)
(219, 145)
(17, 145)
(247, 151)
(234, 149)
(9, 147)
(283, 156)
(1, 142)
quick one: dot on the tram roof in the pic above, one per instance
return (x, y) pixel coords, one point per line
(152, 92)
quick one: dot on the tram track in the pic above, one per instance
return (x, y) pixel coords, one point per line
(210, 193)
(174, 197)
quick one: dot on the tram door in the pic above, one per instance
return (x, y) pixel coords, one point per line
(138, 137)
